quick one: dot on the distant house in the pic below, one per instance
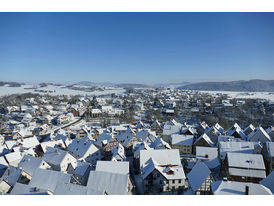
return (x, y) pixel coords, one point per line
(245, 167)
(259, 135)
(236, 131)
(156, 126)
(250, 128)
(161, 171)
(169, 130)
(159, 143)
(270, 132)
(182, 142)
(268, 154)
(202, 141)
(200, 179)
(238, 188)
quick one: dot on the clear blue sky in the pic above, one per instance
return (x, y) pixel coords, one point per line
(136, 47)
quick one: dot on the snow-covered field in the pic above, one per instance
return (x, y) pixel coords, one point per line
(245, 95)
(55, 90)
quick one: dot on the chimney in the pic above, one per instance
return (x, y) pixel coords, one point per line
(246, 190)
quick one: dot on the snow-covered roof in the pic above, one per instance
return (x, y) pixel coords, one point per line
(23, 189)
(239, 147)
(159, 143)
(206, 138)
(198, 175)
(29, 164)
(111, 183)
(53, 143)
(269, 182)
(270, 148)
(170, 172)
(54, 156)
(48, 179)
(81, 168)
(246, 172)
(259, 134)
(113, 166)
(178, 139)
(207, 153)
(171, 129)
(29, 142)
(13, 158)
(238, 188)
(63, 188)
(11, 175)
(79, 147)
(242, 160)
(162, 157)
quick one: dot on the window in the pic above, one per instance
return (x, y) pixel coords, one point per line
(173, 181)
(179, 181)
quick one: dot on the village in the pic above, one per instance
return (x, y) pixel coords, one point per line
(146, 141)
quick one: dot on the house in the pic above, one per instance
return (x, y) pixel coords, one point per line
(182, 142)
(42, 147)
(58, 159)
(111, 183)
(269, 182)
(209, 155)
(238, 188)
(200, 179)
(159, 143)
(29, 164)
(169, 130)
(84, 150)
(118, 153)
(259, 135)
(156, 126)
(103, 139)
(268, 154)
(161, 171)
(80, 171)
(146, 135)
(52, 179)
(270, 132)
(243, 167)
(202, 141)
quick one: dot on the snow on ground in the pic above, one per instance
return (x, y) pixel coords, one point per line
(245, 95)
(55, 90)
